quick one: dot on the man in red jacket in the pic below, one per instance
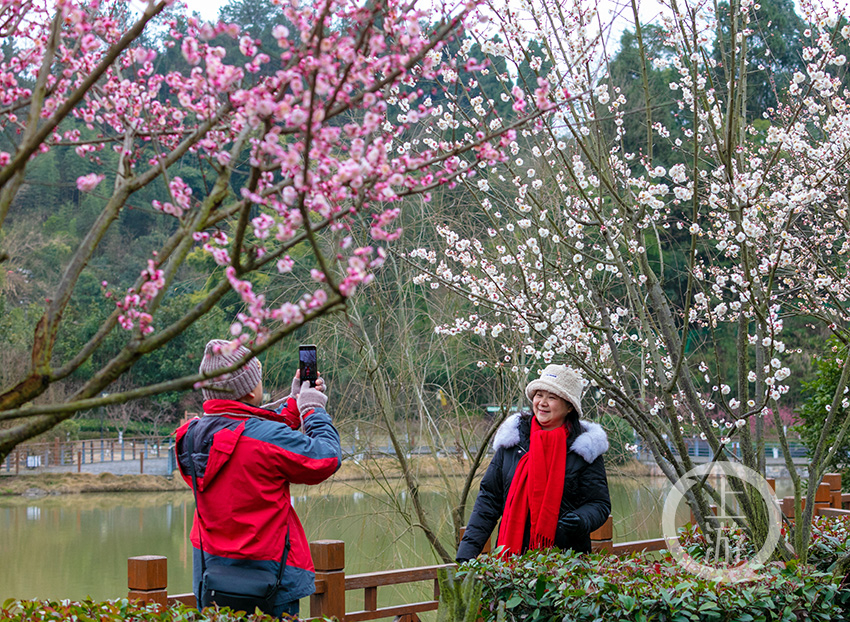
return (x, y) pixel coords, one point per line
(245, 457)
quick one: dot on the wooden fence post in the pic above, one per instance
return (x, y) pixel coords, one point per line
(329, 560)
(788, 507)
(603, 538)
(823, 496)
(834, 481)
(147, 579)
(823, 499)
(488, 545)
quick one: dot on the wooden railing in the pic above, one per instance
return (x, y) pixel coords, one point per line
(148, 575)
(828, 495)
(829, 501)
(332, 584)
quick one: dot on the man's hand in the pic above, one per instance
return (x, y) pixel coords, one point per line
(296, 384)
(290, 411)
(310, 398)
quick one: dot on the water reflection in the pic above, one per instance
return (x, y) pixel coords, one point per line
(74, 546)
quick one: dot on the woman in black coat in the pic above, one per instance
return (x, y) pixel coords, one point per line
(523, 484)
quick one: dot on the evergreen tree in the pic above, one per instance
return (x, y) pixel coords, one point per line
(257, 19)
(535, 64)
(818, 396)
(625, 75)
(774, 51)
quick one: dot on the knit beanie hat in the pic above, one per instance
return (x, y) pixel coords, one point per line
(220, 354)
(561, 380)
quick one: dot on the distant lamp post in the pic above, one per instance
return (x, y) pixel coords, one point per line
(102, 414)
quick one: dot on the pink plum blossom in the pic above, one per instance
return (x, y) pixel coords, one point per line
(87, 183)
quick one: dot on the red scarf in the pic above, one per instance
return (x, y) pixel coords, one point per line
(536, 490)
(289, 415)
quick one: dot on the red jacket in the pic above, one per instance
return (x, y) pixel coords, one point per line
(245, 460)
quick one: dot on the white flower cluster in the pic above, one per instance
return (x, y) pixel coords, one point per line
(576, 265)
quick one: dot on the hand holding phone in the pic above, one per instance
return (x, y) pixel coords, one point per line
(311, 388)
(307, 364)
(319, 385)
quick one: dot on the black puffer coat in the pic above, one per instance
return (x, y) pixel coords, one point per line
(585, 485)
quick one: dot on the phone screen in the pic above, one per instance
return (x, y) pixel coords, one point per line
(307, 363)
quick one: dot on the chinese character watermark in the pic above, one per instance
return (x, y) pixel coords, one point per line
(726, 563)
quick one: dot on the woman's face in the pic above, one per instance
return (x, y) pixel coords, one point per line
(551, 411)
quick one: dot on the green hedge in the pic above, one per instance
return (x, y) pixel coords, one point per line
(829, 541)
(567, 587)
(113, 611)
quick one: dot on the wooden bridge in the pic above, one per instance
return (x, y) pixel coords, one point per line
(148, 574)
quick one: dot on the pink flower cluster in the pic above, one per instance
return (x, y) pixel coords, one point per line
(324, 123)
(360, 267)
(87, 183)
(181, 194)
(135, 303)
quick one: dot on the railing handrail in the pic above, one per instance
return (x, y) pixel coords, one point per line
(393, 577)
(386, 577)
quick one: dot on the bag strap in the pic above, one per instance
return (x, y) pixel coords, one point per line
(189, 437)
(190, 447)
(283, 557)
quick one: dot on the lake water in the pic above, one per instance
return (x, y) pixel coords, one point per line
(74, 546)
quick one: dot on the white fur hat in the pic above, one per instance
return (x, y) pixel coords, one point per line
(561, 380)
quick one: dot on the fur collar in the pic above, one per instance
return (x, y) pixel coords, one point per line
(590, 444)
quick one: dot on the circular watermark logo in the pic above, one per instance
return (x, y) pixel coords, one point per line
(725, 568)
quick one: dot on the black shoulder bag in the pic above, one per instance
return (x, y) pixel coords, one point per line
(237, 587)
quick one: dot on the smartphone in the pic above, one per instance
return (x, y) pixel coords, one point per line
(307, 363)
